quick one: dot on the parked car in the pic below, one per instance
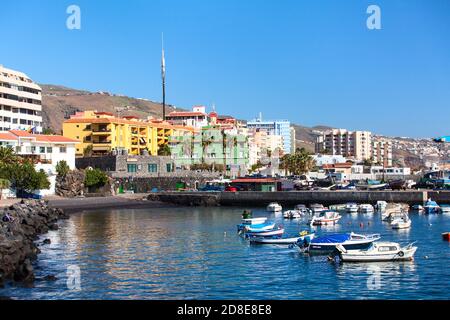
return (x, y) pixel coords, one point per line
(231, 189)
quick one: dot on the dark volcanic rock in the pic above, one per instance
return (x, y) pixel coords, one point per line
(47, 241)
(20, 226)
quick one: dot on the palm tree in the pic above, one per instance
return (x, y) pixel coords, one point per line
(298, 163)
(7, 156)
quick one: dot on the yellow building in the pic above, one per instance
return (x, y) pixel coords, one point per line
(101, 133)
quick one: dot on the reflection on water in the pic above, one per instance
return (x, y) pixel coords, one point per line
(195, 253)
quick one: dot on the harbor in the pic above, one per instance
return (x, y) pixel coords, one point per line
(195, 253)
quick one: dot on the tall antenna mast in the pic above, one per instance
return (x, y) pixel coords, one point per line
(163, 77)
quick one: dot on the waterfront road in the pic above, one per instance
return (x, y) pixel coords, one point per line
(71, 205)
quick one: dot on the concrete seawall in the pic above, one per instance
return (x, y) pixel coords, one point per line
(252, 198)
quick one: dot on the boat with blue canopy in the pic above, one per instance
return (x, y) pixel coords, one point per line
(327, 244)
(432, 207)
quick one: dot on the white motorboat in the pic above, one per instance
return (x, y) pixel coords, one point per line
(274, 207)
(292, 214)
(316, 208)
(325, 218)
(251, 221)
(377, 252)
(327, 243)
(351, 207)
(418, 208)
(366, 208)
(402, 222)
(393, 216)
(275, 232)
(445, 209)
(381, 206)
(264, 240)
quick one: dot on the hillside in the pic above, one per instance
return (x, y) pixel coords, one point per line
(58, 103)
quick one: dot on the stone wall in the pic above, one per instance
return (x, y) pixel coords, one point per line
(20, 225)
(145, 185)
(290, 199)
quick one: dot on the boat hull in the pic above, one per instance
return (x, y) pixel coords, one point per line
(327, 248)
(271, 233)
(354, 257)
(260, 240)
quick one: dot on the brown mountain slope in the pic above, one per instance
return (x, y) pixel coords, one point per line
(58, 103)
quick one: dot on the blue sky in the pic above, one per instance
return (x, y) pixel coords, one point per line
(313, 62)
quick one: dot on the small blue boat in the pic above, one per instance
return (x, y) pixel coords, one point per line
(327, 244)
(432, 207)
(255, 226)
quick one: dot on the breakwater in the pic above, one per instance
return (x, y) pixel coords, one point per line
(259, 199)
(20, 226)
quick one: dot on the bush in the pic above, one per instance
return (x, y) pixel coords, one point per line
(4, 184)
(24, 177)
(62, 168)
(95, 178)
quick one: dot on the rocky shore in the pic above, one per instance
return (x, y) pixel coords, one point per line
(20, 226)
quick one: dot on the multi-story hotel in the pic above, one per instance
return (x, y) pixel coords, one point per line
(262, 144)
(351, 144)
(196, 118)
(275, 127)
(102, 133)
(382, 152)
(20, 102)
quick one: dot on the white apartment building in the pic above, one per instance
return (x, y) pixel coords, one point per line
(260, 141)
(20, 102)
(382, 152)
(45, 150)
(351, 144)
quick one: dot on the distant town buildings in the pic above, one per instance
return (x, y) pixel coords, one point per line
(20, 102)
(276, 127)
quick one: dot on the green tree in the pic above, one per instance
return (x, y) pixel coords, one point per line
(4, 184)
(298, 163)
(24, 177)
(7, 156)
(62, 168)
(95, 178)
(48, 131)
(87, 152)
(164, 150)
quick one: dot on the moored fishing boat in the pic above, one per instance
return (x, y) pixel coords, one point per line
(446, 236)
(377, 252)
(249, 223)
(445, 209)
(327, 244)
(432, 207)
(366, 208)
(381, 206)
(316, 208)
(274, 207)
(274, 232)
(402, 222)
(292, 214)
(351, 207)
(325, 218)
(337, 207)
(265, 240)
(418, 208)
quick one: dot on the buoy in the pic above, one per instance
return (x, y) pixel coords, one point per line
(426, 257)
(361, 225)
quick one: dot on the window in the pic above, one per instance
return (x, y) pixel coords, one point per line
(62, 149)
(132, 167)
(41, 149)
(169, 167)
(152, 167)
(49, 149)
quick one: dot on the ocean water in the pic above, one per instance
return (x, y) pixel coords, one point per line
(195, 253)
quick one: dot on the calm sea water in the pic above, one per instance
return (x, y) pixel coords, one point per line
(195, 253)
